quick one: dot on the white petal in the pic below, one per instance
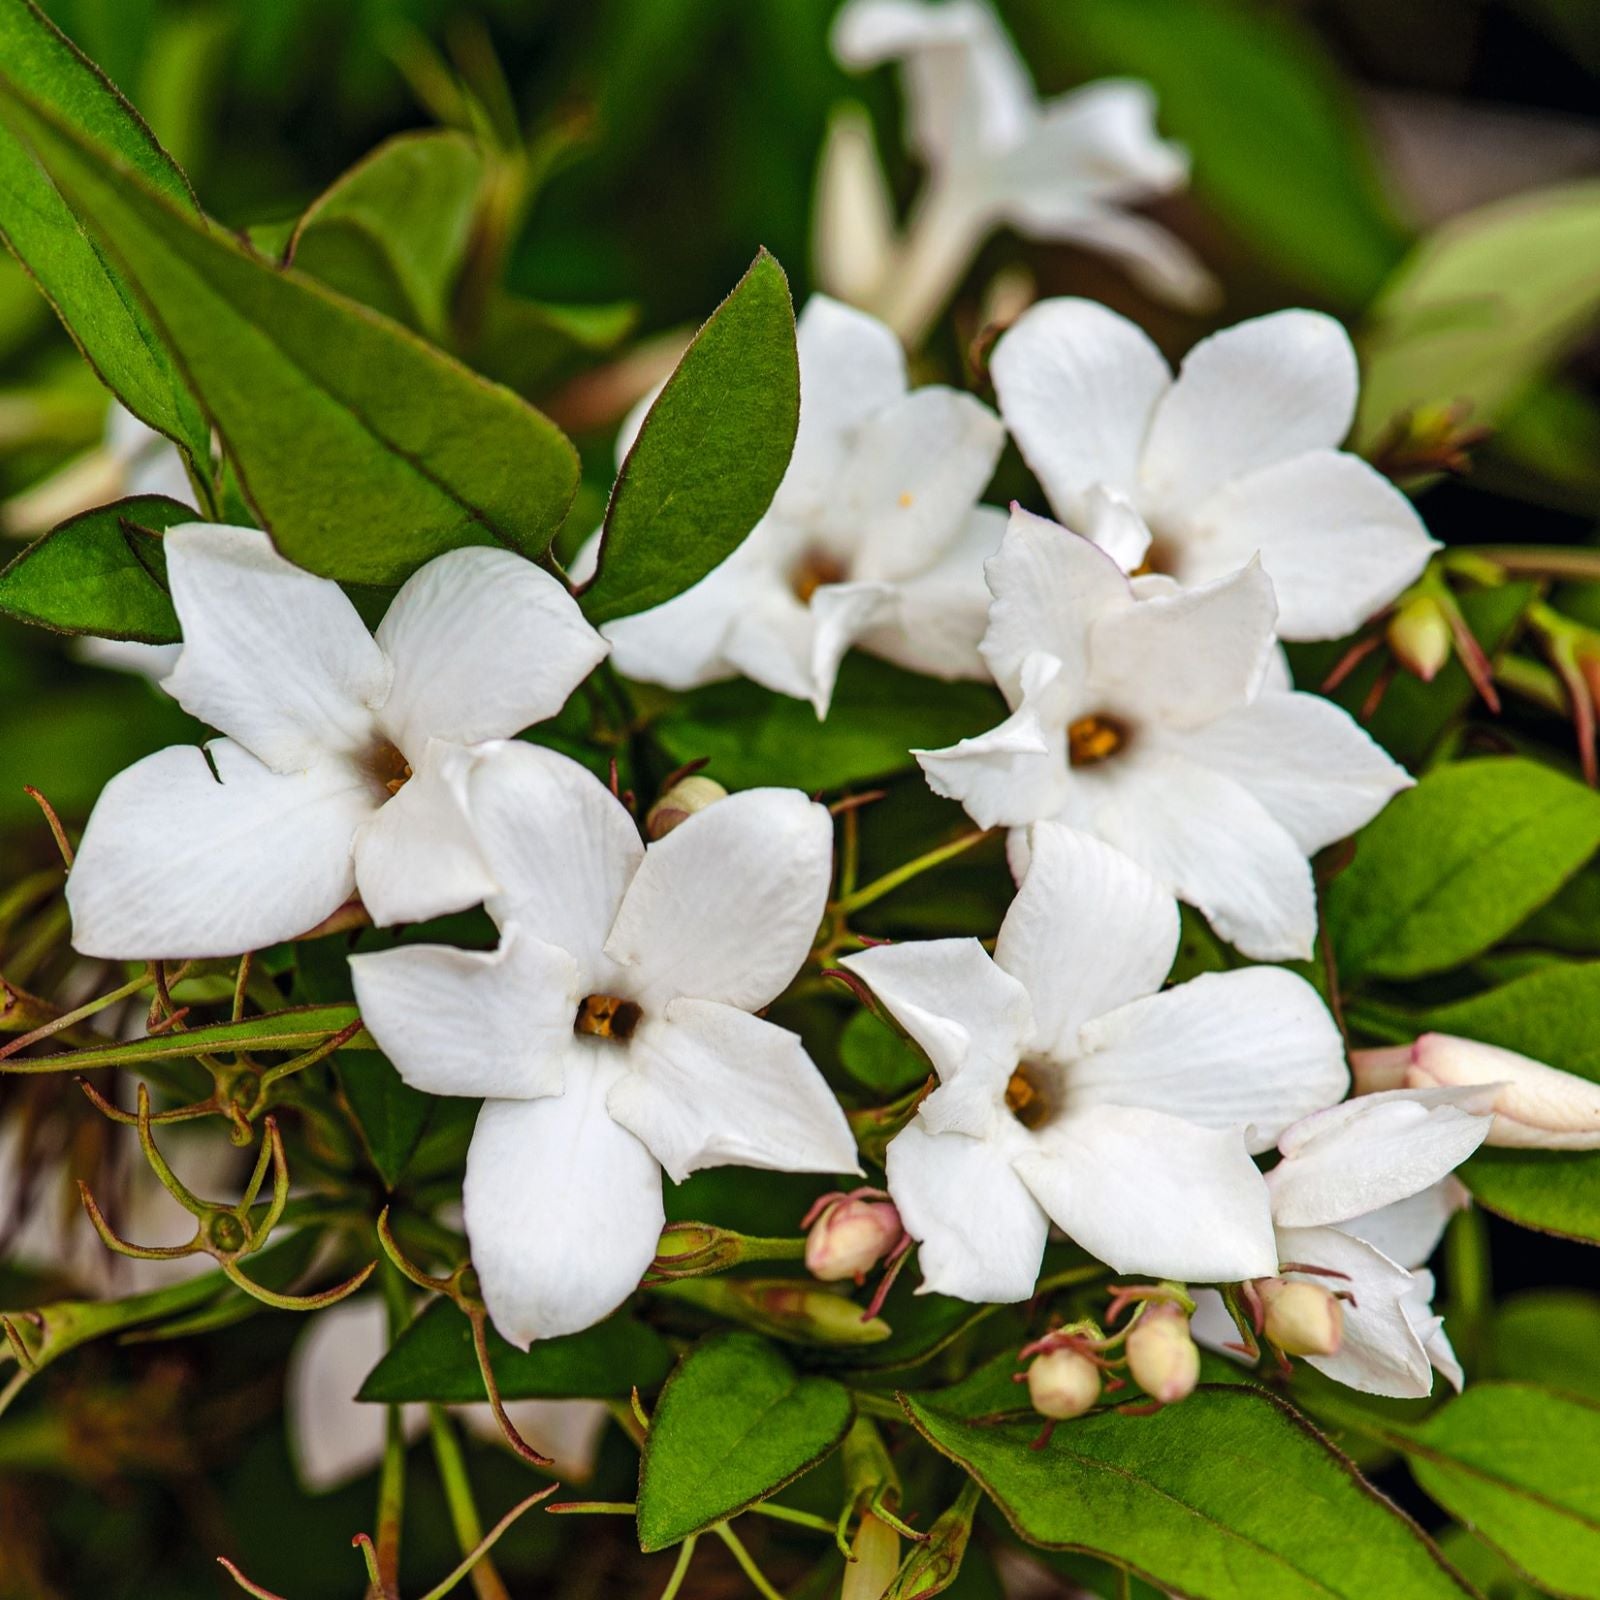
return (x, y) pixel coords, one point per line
(709, 1086)
(1099, 140)
(1152, 1194)
(568, 1431)
(1216, 846)
(1338, 540)
(1159, 262)
(1305, 759)
(1409, 1231)
(563, 1209)
(1536, 1107)
(152, 661)
(1253, 394)
(1183, 659)
(1088, 931)
(1077, 386)
(483, 643)
(1253, 1049)
(1366, 1153)
(176, 864)
(980, 1234)
(561, 847)
(1429, 1328)
(853, 230)
(1116, 527)
(473, 1022)
(841, 613)
(727, 905)
(416, 856)
(680, 644)
(272, 656)
(972, 1018)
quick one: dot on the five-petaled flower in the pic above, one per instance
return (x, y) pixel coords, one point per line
(1139, 714)
(610, 1032)
(1237, 457)
(1070, 1091)
(344, 755)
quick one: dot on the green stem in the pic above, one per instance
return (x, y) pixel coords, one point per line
(890, 881)
(452, 1465)
(1471, 1288)
(392, 1478)
(801, 1519)
(89, 1009)
(747, 1562)
(681, 1570)
(1540, 561)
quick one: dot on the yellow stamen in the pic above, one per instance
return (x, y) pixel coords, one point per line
(387, 767)
(606, 1016)
(1026, 1097)
(813, 570)
(1094, 738)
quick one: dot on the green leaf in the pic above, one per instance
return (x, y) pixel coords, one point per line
(392, 1114)
(433, 1360)
(1514, 1462)
(1483, 307)
(734, 1424)
(89, 292)
(710, 456)
(1551, 1337)
(365, 451)
(531, 345)
(1230, 1496)
(876, 1056)
(879, 714)
(393, 231)
(1452, 865)
(101, 573)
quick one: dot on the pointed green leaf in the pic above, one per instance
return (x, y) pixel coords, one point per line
(364, 450)
(392, 1114)
(711, 453)
(101, 573)
(89, 292)
(734, 1424)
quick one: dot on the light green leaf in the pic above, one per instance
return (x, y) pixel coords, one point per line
(734, 1424)
(1452, 865)
(433, 1360)
(102, 572)
(90, 293)
(1514, 1462)
(1551, 1337)
(711, 454)
(1230, 1496)
(877, 1057)
(531, 345)
(393, 231)
(1483, 306)
(364, 450)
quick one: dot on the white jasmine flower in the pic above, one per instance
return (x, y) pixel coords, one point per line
(1363, 1192)
(1237, 456)
(1138, 715)
(1071, 1091)
(334, 1437)
(610, 1033)
(873, 538)
(344, 755)
(1065, 170)
(1535, 1107)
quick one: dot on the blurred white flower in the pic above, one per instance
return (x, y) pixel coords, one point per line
(345, 756)
(610, 1033)
(1072, 1091)
(874, 537)
(1236, 457)
(1138, 715)
(1067, 169)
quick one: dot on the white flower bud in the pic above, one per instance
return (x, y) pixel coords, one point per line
(1420, 636)
(1063, 1383)
(848, 1239)
(1302, 1319)
(874, 1560)
(680, 802)
(1535, 1106)
(1163, 1359)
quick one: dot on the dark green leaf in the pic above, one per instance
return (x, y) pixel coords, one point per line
(392, 1114)
(1231, 1496)
(710, 455)
(734, 1424)
(101, 573)
(433, 1360)
(364, 451)
(1549, 1336)
(90, 293)
(531, 346)
(876, 1056)
(1452, 865)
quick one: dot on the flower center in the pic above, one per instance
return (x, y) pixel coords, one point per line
(814, 569)
(1028, 1096)
(1094, 738)
(388, 769)
(606, 1016)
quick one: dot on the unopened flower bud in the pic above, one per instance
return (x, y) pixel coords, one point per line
(874, 1560)
(1535, 1106)
(680, 802)
(848, 1239)
(1302, 1319)
(1163, 1359)
(1063, 1383)
(1420, 636)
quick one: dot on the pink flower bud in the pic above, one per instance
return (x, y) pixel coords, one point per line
(1535, 1106)
(1163, 1359)
(851, 1237)
(1302, 1319)
(680, 802)
(1420, 636)
(1063, 1383)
